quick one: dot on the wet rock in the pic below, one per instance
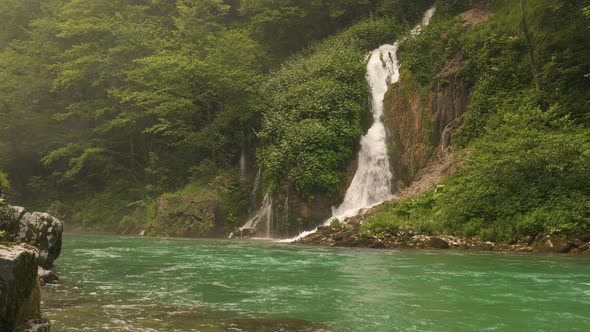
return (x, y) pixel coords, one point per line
(35, 325)
(548, 243)
(40, 230)
(438, 243)
(378, 244)
(347, 242)
(47, 276)
(20, 295)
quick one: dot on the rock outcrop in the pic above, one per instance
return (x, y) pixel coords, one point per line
(40, 230)
(46, 276)
(420, 126)
(20, 305)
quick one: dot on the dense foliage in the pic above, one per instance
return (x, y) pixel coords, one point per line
(105, 105)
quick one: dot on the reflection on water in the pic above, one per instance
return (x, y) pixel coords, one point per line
(137, 284)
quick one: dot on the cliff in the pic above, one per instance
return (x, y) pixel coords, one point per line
(420, 126)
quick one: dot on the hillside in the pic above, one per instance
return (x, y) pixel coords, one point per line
(178, 118)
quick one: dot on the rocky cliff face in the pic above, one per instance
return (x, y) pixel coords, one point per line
(40, 230)
(419, 126)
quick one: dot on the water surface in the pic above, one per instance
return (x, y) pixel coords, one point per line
(112, 283)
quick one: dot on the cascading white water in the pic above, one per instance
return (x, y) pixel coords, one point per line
(262, 218)
(372, 181)
(371, 184)
(257, 181)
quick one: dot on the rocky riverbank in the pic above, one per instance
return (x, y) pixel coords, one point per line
(351, 235)
(20, 294)
(31, 244)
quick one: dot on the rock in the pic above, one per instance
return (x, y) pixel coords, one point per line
(47, 276)
(35, 325)
(438, 243)
(347, 242)
(377, 244)
(40, 230)
(20, 295)
(484, 246)
(554, 244)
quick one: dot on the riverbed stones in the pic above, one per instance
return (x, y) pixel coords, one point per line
(46, 276)
(19, 287)
(35, 325)
(40, 230)
(438, 243)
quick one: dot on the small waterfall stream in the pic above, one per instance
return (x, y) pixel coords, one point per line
(262, 218)
(371, 184)
(255, 190)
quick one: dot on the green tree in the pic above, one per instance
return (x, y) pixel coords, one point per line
(530, 161)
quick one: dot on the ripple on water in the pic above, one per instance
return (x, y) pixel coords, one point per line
(131, 284)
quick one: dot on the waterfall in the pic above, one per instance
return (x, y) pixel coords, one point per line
(243, 163)
(371, 184)
(255, 189)
(262, 219)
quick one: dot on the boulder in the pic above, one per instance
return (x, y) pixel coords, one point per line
(552, 244)
(438, 243)
(40, 230)
(47, 276)
(20, 295)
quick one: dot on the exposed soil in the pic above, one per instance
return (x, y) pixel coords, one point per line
(475, 16)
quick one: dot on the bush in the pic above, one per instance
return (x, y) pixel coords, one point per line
(4, 184)
(528, 171)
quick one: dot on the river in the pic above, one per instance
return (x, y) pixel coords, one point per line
(112, 283)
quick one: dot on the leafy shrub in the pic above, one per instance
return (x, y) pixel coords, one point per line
(529, 169)
(335, 223)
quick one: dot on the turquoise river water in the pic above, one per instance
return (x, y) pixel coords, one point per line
(112, 283)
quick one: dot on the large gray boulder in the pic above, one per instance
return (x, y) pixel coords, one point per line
(20, 295)
(40, 230)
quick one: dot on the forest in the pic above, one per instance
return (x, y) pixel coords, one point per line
(110, 108)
